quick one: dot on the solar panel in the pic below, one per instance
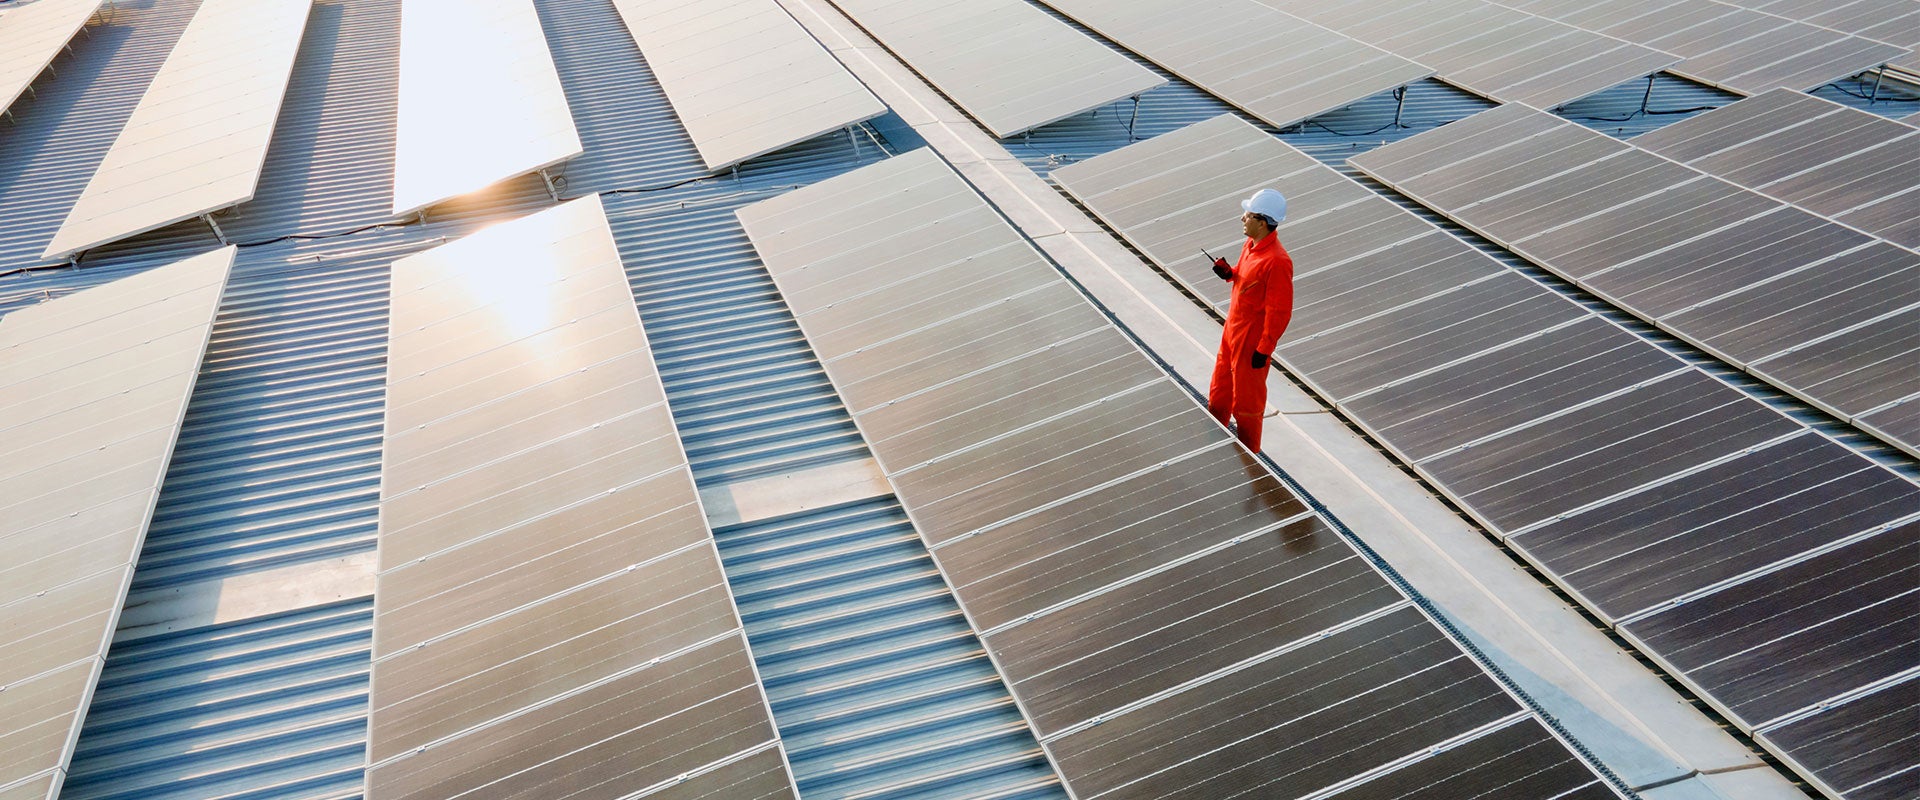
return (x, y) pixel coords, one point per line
(30, 37)
(1841, 163)
(1630, 478)
(1277, 67)
(1741, 275)
(93, 387)
(1008, 64)
(198, 140)
(1722, 45)
(744, 78)
(548, 583)
(1767, 648)
(1109, 540)
(480, 100)
(1518, 755)
(1860, 748)
(1718, 524)
(1489, 50)
(1335, 706)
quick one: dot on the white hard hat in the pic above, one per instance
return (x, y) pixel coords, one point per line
(1267, 203)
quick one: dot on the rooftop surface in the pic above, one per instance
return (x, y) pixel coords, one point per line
(1745, 631)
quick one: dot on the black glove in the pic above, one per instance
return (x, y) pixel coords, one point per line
(1259, 360)
(1220, 269)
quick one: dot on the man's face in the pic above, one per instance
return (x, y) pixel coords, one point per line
(1253, 226)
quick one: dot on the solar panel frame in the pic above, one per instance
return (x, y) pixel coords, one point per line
(480, 100)
(197, 141)
(1007, 64)
(793, 88)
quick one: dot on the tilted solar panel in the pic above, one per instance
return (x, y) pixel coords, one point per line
(1744, 276)
(30, 37)
(1633, 480)
(1006, 63)
(1143, 584)
(1841, 163)
(550, 607)
(480, 100)
(1490, 50)
(198, 140)
(1276, 66)
(743, 76)
(93, 388)
(1723, 45)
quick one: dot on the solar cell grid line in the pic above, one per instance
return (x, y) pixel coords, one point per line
(1277, 67)
(31, 36)
(550, 607)
(1784, 643)
(1743, 276)
(1490, 50)
(197, 141)
(479, 100)
(1115, 550)
(743, 77)
(1860, 748)
(93, 389)
(1008, 64)
(1842, 163)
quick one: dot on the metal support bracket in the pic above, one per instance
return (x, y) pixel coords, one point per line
(1647, 98)
(217, 233)
(546, 176)
(1399, 104)
(1133, 119)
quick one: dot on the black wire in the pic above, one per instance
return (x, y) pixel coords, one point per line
(1869, 98)
(1322, 126)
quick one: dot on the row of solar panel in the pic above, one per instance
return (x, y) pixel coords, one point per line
(1816, 307)
(93, 388)
(1664, 499)
(479, 100)
(550, 608)
(1744, 50)
(1171, 619)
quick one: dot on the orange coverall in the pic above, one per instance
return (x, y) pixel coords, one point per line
(1261, 306)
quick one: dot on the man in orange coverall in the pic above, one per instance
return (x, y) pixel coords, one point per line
(1261, 306)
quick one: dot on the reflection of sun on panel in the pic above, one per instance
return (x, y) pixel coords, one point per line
(480, 101)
